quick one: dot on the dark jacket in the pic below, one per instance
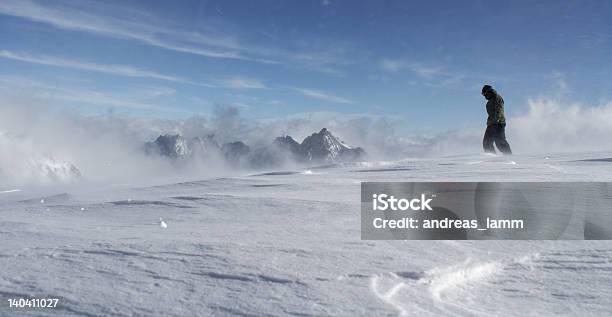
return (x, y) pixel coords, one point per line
(495, 108)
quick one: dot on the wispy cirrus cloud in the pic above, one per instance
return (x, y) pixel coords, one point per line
(119, 70)
(236, 82)
(241, 83)
(140, 100)
(394, 66)
(123, 23)
(317, 94)
(119, 25)
(130, 71)
(437, 75)
(559, 83)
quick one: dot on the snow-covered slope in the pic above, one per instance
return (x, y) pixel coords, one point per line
(287, 243)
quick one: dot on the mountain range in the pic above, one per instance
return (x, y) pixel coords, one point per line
(320, 147)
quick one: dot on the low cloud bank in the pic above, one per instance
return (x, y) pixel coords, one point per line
(110, 147)
(551, 125)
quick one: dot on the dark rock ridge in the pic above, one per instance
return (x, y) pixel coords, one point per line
(320, 147)
(178, 147)
(235, 152)
(282, 151)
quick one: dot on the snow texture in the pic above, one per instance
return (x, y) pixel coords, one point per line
(287, 243)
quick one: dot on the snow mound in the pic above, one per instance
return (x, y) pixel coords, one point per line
(459, 276)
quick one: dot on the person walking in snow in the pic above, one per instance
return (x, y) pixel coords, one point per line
(496, 122)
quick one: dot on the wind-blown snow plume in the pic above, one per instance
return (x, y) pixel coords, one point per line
(553, 125)
(110, 147)
(550, 125)
(21, 163)
(102, 148)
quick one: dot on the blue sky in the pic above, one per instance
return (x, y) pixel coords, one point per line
(418, 62)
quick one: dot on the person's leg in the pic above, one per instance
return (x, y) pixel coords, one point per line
(487, 140)
(500, 139)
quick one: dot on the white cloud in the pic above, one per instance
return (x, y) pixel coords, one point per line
(156, 91)
(242, 83)
(108, 147)
(419, 69)
(392, 65)
(317, 94)
(560, 84)
(130, 71)
(549, 126)
(118, 26)
(554, 125)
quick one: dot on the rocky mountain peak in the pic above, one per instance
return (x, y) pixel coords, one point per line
(321, 146)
